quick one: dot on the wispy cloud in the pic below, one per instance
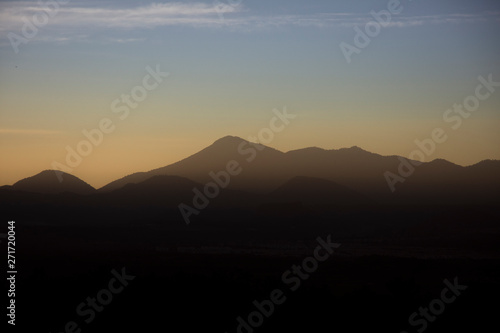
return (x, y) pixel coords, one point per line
(72, 17)
(13, 14)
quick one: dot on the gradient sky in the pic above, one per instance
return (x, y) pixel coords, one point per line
(227, 74)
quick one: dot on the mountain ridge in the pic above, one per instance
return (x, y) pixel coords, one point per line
(264, 169)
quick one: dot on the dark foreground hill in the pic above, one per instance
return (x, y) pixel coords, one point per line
(48, 182)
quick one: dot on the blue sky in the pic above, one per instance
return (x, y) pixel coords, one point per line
(228, 72)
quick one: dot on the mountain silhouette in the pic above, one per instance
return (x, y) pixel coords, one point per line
(441, 180)
(308, 175)
(48, 182)
(264, 169)
(215, 158)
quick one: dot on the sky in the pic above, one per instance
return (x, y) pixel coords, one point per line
(65, 67)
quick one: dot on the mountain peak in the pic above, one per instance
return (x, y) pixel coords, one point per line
(230, 142)
(442, 163)
(354, 149)
(229, 139)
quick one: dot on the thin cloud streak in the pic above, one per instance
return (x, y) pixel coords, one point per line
(197, 15)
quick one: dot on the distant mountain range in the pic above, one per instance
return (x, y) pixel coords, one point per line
(309, 174)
